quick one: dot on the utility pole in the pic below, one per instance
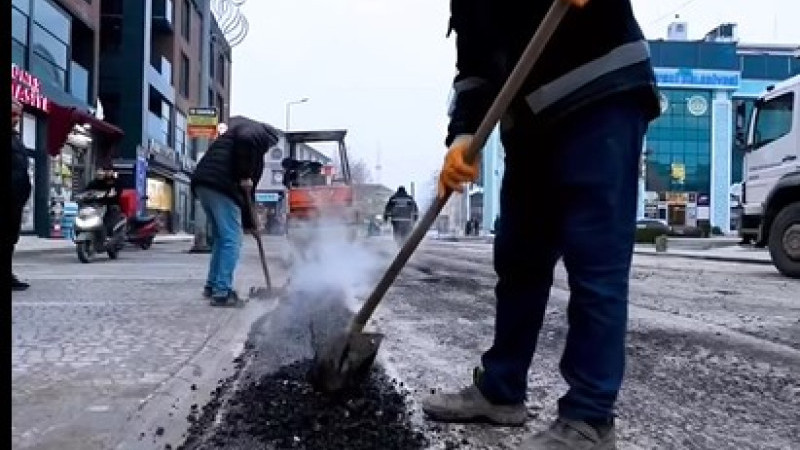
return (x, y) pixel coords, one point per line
(289, 110)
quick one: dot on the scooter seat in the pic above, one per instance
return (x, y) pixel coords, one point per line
(141, 220)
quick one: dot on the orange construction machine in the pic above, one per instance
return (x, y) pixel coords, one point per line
(320, 193)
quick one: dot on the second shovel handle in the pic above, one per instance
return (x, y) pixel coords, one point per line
(512, 85)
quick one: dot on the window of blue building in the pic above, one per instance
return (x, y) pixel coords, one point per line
(679, 143)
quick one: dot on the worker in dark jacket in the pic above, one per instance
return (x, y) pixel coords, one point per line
(575, 132)
(401, 210)
(20, 192)
(229, 171)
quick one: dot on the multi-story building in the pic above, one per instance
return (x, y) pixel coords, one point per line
(156, 64)
(54, 57)
(692, 157)
(707, 88)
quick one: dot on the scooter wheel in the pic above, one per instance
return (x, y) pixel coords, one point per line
(113, 254)
(85, 251)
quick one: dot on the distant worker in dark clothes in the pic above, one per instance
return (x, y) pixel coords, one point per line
(401, 210)
(229, 170)
(20, 192)
(575, 131)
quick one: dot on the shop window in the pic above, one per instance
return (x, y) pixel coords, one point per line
(773, 120)
(22, 5)
(18, 54)
(186, 21)
(211, 59)
(52, 19)
(184, 80)
(19, 26)
(79, 82)
(180, 134)
(49, 47)
(46, 70)
(110, 33)
(221, 69)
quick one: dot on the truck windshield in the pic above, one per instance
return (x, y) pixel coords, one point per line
(773, 120)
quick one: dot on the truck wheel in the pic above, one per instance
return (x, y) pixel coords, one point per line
(784, 241)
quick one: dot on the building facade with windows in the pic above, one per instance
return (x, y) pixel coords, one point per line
(54, 59)
(693, 154)
(154, 67)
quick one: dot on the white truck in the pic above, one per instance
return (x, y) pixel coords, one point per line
(771, 187)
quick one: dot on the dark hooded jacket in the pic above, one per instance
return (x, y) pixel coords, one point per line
(20, 181)
(236, 155)
(597, 51)
(401, 206)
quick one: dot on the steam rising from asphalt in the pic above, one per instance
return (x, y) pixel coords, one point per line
(330, 276)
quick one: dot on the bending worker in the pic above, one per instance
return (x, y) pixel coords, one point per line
(229, 171)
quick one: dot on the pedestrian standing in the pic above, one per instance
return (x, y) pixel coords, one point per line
(572, 138)
(20, 191)
(227, 173)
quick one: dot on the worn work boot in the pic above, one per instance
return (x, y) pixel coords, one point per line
(565, 434)
(230, 300)
(469, 405)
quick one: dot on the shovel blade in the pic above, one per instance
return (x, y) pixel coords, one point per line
(344, 363)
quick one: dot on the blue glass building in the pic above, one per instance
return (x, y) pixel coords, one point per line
(691, 154)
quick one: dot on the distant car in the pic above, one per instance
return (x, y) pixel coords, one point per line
(655, 224)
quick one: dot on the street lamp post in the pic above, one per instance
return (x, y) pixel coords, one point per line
(288, 109)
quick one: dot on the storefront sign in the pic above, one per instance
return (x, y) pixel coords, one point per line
(162, 155)
(697, 78)
(265, 197)
(27, 89)
(202, 123)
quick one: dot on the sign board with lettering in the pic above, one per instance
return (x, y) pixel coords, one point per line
(668, 77)
(265, 197)
(202, 123)
(27, 89)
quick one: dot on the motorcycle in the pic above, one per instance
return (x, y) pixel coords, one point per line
(141, 230)
(92, 235)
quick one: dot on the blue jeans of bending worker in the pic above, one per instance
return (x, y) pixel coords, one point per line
(225, 219)
(570, 192)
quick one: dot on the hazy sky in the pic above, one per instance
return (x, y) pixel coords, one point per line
(382, 69)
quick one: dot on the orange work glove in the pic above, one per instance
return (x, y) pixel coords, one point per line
(577, 3)
(455, 170)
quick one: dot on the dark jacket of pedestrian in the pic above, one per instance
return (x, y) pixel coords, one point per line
(20, 181)
(612, 57)
(236, 155)
(401, 206)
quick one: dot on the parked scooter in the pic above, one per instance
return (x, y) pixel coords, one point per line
(92, 235)
(141, 230)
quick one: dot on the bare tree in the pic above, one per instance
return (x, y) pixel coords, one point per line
(359, 172)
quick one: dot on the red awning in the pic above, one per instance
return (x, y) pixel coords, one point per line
(61, 121)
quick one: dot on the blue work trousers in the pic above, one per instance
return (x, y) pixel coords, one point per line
(569, 191)
(225, 219)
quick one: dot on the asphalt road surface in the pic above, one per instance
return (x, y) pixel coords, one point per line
(105, 355)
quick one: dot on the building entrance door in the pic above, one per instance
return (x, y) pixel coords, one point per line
(676, 215)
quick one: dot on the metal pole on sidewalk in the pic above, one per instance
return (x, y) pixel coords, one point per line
(201, 226)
